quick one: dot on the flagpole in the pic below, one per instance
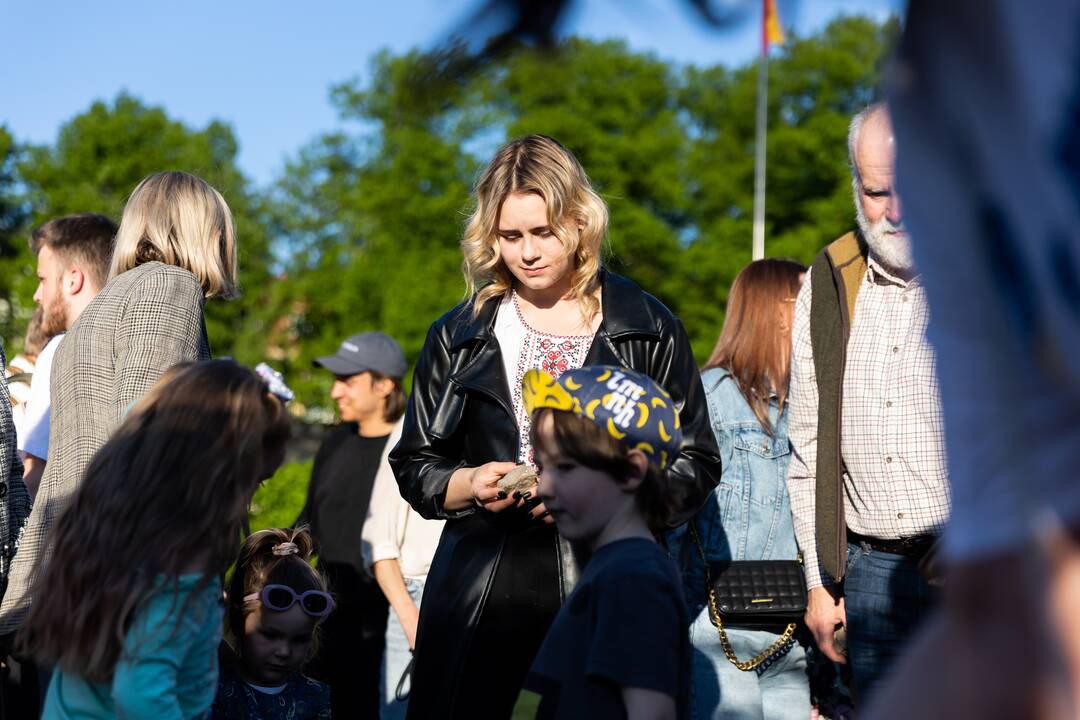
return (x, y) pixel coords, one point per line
(758, 249)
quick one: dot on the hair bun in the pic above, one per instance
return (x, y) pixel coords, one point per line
(285, 548)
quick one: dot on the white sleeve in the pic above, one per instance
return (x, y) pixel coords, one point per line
(802, 433)
(35, 440)
(380, 539)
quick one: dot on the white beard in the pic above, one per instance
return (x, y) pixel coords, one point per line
(893, 252)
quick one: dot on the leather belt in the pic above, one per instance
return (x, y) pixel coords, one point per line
(913, 546)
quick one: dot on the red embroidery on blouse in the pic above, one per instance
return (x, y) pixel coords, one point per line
(554, 354)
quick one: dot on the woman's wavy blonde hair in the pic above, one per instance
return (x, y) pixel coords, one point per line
(179, 219)
(577, 216)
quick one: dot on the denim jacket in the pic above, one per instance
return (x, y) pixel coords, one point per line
(748, 515)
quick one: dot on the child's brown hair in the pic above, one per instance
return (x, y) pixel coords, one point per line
(586, 442)
(166, 495)
(259, 565)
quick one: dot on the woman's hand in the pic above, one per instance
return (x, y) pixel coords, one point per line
(531, 502)
(409, 618)
(476, 486)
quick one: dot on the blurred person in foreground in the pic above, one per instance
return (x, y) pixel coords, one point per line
(987, 105)
(73, 257)
(867, 480)
(368, 369)
(175, 248)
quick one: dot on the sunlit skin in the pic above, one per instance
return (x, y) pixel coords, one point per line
(361, 399)
(542, 270)
(49, 294)
(275, 644)
(875, 156)
(531, 251)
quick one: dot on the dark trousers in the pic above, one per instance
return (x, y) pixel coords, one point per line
(886, 600)
(522, 603)
(351, 641)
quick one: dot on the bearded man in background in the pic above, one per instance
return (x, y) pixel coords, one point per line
(867, 479)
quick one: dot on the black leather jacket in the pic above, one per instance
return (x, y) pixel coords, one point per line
(460, 415)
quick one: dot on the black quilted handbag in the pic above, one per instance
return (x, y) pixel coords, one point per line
(757, 594)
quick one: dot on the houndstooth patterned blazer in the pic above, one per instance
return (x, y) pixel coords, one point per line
(143, 322)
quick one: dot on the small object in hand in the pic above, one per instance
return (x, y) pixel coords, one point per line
(840, 640)
(519, 479)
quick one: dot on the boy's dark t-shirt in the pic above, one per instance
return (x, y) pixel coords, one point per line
(625, 625)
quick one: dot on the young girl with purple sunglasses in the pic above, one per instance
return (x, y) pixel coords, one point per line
(275, 603)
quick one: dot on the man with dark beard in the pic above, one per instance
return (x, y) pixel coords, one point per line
(867, 479)
(73, 255)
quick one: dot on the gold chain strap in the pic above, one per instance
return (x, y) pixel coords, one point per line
(714, 611)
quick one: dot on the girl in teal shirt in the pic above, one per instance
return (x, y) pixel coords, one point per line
(129, 608)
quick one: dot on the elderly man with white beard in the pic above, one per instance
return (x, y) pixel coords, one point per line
(867, 479)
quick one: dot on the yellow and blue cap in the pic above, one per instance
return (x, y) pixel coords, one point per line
(630, 406)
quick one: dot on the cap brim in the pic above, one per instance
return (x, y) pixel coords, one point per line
(337, 365)
(540, 390)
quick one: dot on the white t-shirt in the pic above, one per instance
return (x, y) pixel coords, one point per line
(33, 435)
(392, 529)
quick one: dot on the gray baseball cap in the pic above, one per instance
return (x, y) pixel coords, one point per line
(367, 351)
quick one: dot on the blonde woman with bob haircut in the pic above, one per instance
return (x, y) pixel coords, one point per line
(176, 246)
(539, 297)
(178, 219)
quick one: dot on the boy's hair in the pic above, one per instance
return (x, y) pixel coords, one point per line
(258, 566)
(85, 240)
(166, 494)
(583, 441)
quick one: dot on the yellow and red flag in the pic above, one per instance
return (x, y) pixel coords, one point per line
(771, 32)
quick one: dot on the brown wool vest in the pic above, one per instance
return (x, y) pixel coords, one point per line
(835, 278)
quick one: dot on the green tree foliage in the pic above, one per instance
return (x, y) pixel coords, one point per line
(371, 223)
(671, 150)
(16, 268)
(102, 154)
(816, 84)
(362, 229)
(279, 500)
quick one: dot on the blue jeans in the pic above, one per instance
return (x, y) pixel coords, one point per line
(395, 659)
(886, 600)
(720, 690)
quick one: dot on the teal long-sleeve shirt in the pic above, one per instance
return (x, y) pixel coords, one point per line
(168, 668)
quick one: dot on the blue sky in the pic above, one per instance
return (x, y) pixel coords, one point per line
(266, 67)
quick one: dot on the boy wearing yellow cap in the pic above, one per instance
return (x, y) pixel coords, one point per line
(604, 438)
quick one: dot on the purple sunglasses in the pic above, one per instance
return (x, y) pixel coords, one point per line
(280, 598)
